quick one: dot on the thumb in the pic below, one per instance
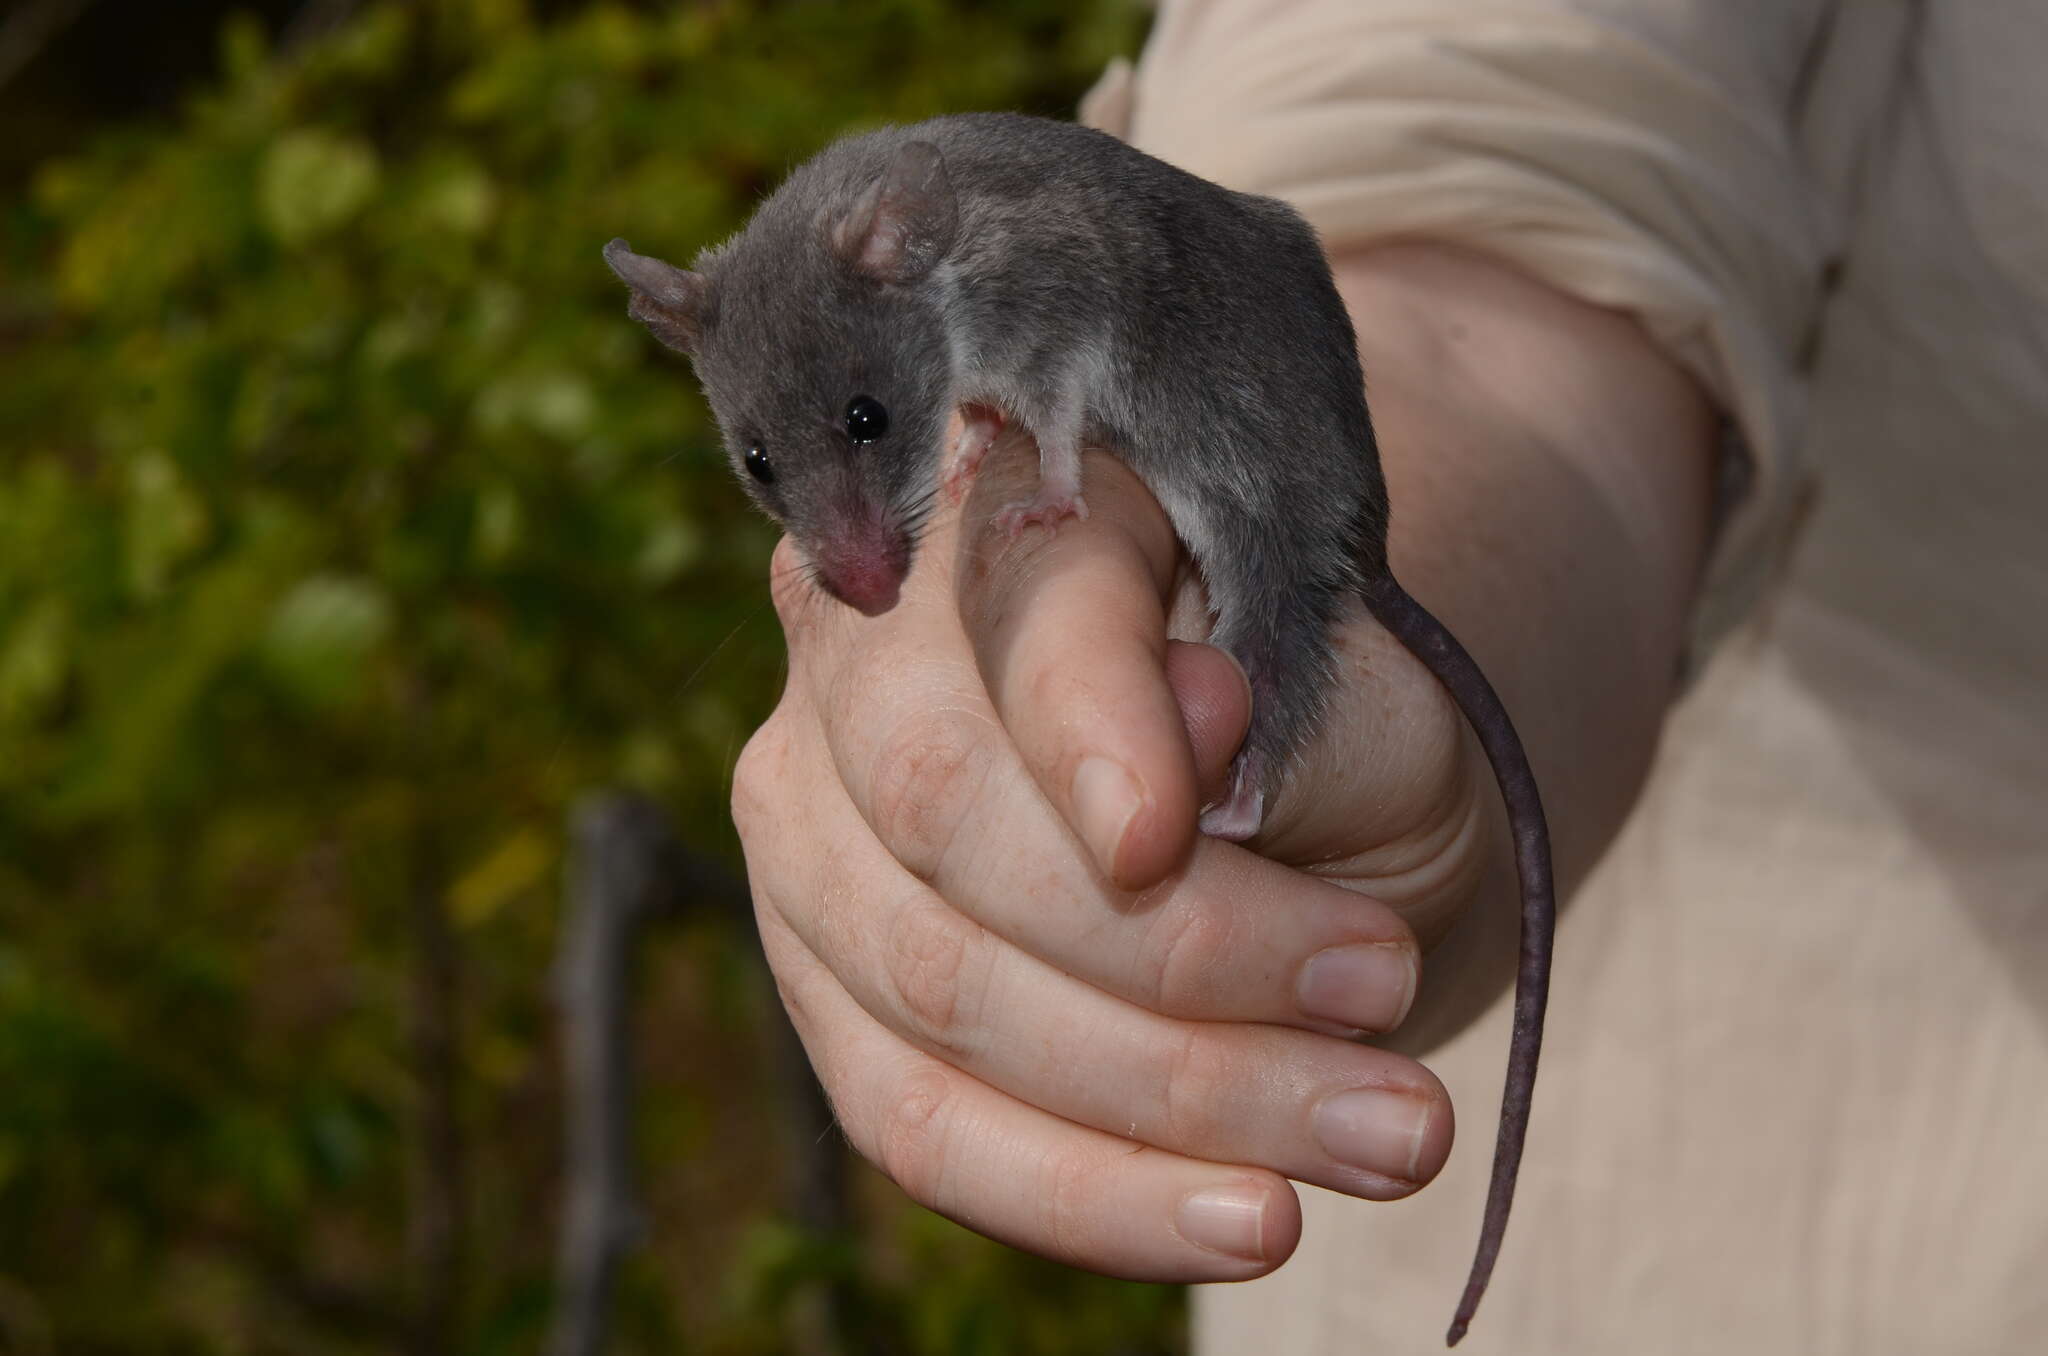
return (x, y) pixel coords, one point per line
(1215, 704)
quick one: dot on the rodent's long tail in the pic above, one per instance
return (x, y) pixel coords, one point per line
(1437, 648)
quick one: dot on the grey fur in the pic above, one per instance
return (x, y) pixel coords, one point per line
(1087, 291)
(1082, 271)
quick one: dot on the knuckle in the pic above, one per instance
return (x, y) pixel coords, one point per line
(1199, 957)
(912, 1138)
(928, 960)
(1190, 1093)
(925, 776)
(1077, 1192)
(1048, 680)
(758, 776)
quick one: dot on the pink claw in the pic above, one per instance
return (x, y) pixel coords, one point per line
(1048, 508)
(1238, 815)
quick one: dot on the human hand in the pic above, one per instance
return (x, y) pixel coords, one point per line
(1037, 999)
(1115, 1055)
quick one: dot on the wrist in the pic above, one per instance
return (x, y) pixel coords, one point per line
(1549, 471)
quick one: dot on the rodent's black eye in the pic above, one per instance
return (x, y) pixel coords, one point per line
(866, 420)
(758, 465)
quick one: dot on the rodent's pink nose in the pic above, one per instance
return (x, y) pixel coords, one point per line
(871, 587)
(866, 572)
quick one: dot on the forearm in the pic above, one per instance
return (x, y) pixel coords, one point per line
(1550, 472)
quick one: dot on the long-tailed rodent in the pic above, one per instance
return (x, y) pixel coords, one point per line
(1038, 272)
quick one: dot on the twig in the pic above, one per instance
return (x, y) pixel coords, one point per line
(627, 869)
(620, 874)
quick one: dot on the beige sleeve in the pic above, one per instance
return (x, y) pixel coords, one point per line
(1639, 154)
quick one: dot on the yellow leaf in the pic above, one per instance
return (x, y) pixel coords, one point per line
(516, 865)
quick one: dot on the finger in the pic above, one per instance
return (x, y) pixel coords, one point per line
(915, 759)
(816, 627)
(1022, 1175)
(1345, 1116)
(1069, 629)
(913, 741)
(1215, 700)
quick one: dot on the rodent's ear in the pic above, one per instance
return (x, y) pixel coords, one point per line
(673, 303)
(900, 228)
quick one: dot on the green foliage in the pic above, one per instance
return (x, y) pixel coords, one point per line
(347, 532)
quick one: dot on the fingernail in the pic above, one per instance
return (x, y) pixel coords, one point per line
(1374, 1129)
(1368, 985)
(1106, 800)
(1229, 1220)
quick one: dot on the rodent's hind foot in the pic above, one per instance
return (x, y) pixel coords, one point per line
(1048, 506)
(1243, 808)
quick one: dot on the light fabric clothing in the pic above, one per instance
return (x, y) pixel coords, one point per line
(1795, 1092)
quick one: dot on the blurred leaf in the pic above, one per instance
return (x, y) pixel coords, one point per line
(157, 683)
(458, 195)
(322, 635)
(166, 522)
(313, 181)
(243, 51)
(33, 659)
(522, 862)
(499, 520)
(670, 547)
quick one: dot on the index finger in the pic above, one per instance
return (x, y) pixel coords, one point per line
(1069, 629)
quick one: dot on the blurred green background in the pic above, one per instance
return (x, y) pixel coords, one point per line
(348, 534)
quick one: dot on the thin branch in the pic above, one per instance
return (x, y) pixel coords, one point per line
(620, 873)
(627, 869)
